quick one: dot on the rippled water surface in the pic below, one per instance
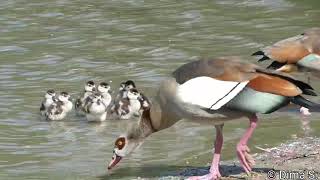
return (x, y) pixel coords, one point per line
(61, 44)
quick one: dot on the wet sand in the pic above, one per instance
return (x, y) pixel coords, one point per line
(299, 158)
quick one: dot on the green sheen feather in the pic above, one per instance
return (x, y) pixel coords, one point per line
(249, 100)
(311, 62)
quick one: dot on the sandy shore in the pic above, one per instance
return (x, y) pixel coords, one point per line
(296, 159)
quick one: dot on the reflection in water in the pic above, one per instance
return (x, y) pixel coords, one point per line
(63, 46)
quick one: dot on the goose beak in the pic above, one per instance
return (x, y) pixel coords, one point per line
(115, 160)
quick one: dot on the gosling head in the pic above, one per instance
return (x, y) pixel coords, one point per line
(90, 86)
(133, 94)
(104, 87)
(64, 97)
(50, 94)
(129, 85)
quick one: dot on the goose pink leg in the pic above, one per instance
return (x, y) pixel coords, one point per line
(214, 169)
(305, 121)
(304, 111)
(246, 160)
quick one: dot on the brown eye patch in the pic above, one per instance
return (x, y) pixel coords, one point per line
(120, 142)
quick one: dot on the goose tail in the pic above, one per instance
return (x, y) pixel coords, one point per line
(301, 101)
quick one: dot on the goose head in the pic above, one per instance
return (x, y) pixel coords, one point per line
(159, 116)
(123, 146)
(127, 143)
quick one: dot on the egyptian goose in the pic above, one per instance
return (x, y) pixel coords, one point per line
(89, 89)
(298, 53)
(301, 52)
(214, 91)
(59, 110)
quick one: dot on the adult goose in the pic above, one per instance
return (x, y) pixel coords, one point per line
(297, 53)
(301, 52)
(215, 91)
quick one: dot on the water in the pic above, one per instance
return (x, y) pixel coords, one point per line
(61, 44)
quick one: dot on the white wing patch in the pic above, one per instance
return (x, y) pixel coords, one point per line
(208, 92)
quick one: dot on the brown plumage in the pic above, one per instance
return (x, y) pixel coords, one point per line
(291, 50)
(232, 69)
(274, 85)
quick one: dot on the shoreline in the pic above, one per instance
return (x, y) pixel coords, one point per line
(298, 158)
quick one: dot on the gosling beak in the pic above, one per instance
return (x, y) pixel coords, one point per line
(54, 98)
(115, 160)
(94, 89)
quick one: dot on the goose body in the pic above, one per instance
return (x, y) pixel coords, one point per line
(297, 53)
(214, 91)
(300, 52)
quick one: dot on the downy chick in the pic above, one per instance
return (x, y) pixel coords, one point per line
(59, 110)
(80, 103)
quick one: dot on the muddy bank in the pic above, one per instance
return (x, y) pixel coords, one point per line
(300, 157)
